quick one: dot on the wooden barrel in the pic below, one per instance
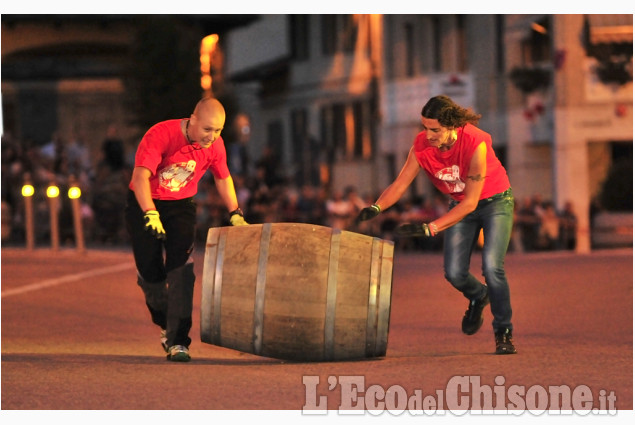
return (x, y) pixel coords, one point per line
(297, 292)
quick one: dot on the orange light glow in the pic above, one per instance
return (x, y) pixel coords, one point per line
(208, 45)
(205, 64)
(206, 82)
(349, 123)
(538, 28)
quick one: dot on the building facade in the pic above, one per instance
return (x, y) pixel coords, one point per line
(64, 75)
(338, 97)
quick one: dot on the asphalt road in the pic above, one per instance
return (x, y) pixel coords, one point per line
(76, 336)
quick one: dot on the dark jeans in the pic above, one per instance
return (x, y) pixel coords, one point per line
(495, 216)
(167, 279)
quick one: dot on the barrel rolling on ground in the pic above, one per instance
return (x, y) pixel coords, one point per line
(297, 291)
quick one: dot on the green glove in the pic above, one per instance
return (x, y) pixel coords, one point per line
(153, 224)
(236, 218)
(368, 213)
(416, 230)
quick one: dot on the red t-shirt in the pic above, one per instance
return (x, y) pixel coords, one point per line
(448, 170)
(176, 165)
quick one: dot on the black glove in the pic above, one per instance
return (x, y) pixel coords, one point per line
(416, 230)
(368, 213)
(153, 224)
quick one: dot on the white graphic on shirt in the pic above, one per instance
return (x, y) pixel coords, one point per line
(175, 176)
(451, 177)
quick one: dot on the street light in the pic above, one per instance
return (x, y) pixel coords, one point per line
(74, 193)
(53, 193)
(28, 190)
(27, 194)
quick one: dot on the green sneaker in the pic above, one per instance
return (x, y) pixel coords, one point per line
(178, 353)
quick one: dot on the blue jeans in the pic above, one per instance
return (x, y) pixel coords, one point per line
(495, 216)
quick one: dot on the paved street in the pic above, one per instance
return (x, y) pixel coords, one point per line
(76, 335)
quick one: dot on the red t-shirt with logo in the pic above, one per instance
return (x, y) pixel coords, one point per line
(448, 170)
(176, 165)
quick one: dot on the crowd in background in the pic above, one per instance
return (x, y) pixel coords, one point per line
(103, 179)
(264, 195)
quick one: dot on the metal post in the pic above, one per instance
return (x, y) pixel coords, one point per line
(74, 193)
(27, 194)
(53, 193)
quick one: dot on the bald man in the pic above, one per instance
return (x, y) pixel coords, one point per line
(161, 214)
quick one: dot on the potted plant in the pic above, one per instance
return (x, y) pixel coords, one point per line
(530, 79)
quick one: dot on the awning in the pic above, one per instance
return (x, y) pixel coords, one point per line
(611, 28)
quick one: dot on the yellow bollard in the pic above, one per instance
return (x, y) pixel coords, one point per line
(27, 194)
(53, 193)
(74, 193)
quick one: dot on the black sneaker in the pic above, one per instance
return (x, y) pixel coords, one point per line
(504, 343)
(473, 318)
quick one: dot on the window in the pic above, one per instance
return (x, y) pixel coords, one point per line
(436, 43)
(460, 43)
(499, 28)
(275, 139)
(298, 133)
(329, 34)
(409, 37)
(348, 33)
(299, 28)
(363, 143)
(537, 46)
(339, 33)
(347, 130)
(448, 47)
